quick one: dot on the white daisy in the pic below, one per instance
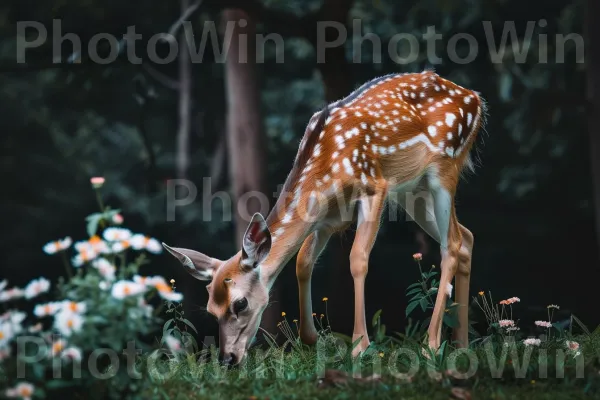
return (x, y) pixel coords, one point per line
(6, 333)
(164, 290)
(173, 344)
(57, 347)
(116, 234)
(98, 245)
(86, 254)
(74, 307)
(24, 390)
(16, 318)
(37, 287)
(58, 245)
(118, 247)
(72, 353)
(141, 242)
(67, 322)
(11, 294)
(122, 289)
(44, 310)
(105, 268)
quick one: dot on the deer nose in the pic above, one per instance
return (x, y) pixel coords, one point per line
(228, 359)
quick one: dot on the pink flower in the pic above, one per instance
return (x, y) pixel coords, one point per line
(532, 342)
(417, 256)
(97, 182)
(572, 345)
(513, 300)
(544, 324)
(505, 323)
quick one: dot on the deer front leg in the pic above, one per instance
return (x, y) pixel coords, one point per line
(307, 256)
(369, 215)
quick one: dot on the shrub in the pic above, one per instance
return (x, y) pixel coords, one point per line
(103, 303)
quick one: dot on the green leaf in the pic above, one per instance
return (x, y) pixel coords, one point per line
(92, 225)
(450, 320)
(581, 325)
(413, 291)
(188, 323)
(411, 306)
(416, 297)
(58, 384)
(417, 284)
(424, 302)
(345, 338)
(355, 343)
(375, 319)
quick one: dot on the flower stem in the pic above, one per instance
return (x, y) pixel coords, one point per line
(66, 264)
(101, 205)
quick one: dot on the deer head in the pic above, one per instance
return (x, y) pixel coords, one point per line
(237, 295)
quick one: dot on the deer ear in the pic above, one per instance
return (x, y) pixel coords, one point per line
(200, 266)
(256, 244)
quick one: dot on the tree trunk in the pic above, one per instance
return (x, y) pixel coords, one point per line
(593, 95)
(185, 99)
(246, 144)
(337, 83)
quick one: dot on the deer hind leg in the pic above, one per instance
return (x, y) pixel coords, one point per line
(463, 277)
(422, 212)
(450, 244)
(369, 216)
(307, 256)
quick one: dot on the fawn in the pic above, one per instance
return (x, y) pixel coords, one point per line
(395, 134)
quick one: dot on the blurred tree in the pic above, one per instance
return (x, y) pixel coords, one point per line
(185, 100)
(246, 142)
(593, 95)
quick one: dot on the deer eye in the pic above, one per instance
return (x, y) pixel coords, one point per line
(240, 305)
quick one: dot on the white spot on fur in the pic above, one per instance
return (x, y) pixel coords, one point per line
(287, 218)
(432, 130)
(347, 166)
(450, 118)
(363, 178)
(317, 150)
(469, 119)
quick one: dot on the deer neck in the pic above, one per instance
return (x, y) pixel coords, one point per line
(289, 228)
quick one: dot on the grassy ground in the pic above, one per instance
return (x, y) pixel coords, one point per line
(327, 371)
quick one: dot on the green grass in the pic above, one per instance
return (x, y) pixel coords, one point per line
(296, 371)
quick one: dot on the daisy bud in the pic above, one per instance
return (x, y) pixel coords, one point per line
(117, 219)
(97, 182)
